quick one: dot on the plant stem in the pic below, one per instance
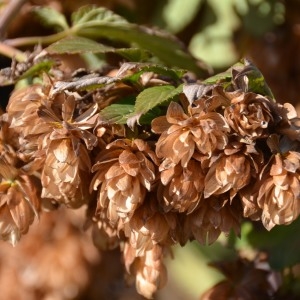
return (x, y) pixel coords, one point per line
(13, 53)
(35, 40)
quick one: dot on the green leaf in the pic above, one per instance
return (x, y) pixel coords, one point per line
(87, 14)
(97, 23)
(51, 18)
(219, 78)
(147, 118)
(150, 98)
(81, 45)
(118, 113)
(38, 68)
(134, 54)
(282, 244)
(173, 73)
(249, 79)
(77, 45)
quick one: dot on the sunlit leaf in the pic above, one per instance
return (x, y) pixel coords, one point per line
(195, 91)
(89, 13)
(96, 23)
(139, 68)
(219, 78)
(150, 98)
(51, 18)
(249, 79)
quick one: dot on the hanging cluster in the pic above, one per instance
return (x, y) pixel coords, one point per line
(192, 168)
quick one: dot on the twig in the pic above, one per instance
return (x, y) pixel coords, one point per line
(9, 13)
(34, 40)
(11, 52)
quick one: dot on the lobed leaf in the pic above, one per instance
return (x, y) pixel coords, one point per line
(91, 13)
(118, 113)
(92, 22)
(81, 45)
(140, 68)
(51, 18)
(150, 98)
(77, 45)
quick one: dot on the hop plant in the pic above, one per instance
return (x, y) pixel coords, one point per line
(156, 156)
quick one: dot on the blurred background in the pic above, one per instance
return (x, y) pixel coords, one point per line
(65, 264)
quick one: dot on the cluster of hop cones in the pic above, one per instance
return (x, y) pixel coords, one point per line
(216, 154)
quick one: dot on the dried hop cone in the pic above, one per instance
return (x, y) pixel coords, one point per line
(249, 114)
(64, 144)
(149, 226)
(182, 134)
(149, 270)
(19, 203)
(23, 105)
(181, 188)
(233, 169)
(213, 216)
(124, 172)
(279, 191)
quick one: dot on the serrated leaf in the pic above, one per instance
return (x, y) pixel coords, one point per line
(90, 13)
(77, 45)
(134, 54)
(85, 83)
(150, 98)
(219, 78)
(118, 113)
(195, 91)
(51, 18)
(140, 68)
(95, 23)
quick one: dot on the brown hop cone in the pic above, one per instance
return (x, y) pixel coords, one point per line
(244, 280)
(149, 271)
(63, 173)
(248, 196)
(279, 191)
(182, 134)
(289, 124)
(213, 216)
(124, 172)
(19, 203)
(232, 169)
(105, 236)
(181, 188)
(250, 114)
(149, 227)
(23, 105)
(64, 144)
(8, 143)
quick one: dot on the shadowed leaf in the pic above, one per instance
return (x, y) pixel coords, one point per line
(76, 45)
(51, 18)
(118, 112)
